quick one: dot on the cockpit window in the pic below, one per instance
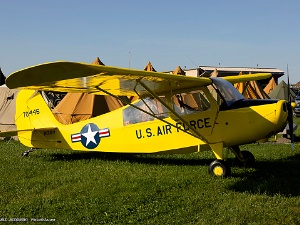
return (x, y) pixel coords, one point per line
(191, 102)
(149, 109)
(228, 93)
(132, 115)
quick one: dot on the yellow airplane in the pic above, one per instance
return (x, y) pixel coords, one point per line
(174, 113)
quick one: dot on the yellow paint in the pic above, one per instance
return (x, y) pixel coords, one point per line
(247, 77)
(218, 170)
(217, 149)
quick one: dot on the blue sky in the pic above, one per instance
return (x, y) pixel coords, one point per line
(189, 33)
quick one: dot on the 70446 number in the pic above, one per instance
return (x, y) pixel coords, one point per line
(31, 112)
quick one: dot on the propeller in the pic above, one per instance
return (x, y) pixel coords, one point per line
(290, 112)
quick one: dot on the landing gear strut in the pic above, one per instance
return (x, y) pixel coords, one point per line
(243, 158)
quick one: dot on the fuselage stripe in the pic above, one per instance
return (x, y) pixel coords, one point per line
(76, 137)
(104, 133)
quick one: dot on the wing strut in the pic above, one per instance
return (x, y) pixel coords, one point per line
(198, 135)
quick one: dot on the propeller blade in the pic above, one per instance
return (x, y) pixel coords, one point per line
(291, 124)
(290, 111)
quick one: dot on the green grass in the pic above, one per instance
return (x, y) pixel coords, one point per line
(95, 188)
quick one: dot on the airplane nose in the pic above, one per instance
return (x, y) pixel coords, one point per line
(282, 115)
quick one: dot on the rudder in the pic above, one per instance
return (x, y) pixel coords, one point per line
(32, 112)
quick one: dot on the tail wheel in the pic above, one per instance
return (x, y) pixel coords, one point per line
(249, 159)
(219, 168)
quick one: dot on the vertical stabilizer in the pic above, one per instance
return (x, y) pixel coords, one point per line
(32, 112)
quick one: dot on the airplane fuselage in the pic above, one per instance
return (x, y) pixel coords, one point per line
(245, 122)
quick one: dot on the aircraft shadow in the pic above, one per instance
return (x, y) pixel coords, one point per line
(154, 159)
(268, 177)
(272, 178)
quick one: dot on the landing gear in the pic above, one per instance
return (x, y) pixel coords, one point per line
(219, 168)
(243, 158)
(249, 160)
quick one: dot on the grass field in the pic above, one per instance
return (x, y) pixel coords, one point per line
(68, 187)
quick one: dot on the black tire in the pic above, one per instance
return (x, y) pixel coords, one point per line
(25, 154)
(219, 168)
(249, 160)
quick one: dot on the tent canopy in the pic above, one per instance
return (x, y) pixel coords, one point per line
(7, 108)
(251, 90)
(75, 107)
(281, 92)
(149, 67)
(270, 86)
(179, 71)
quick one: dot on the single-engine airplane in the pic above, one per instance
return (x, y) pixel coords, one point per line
(173, 113)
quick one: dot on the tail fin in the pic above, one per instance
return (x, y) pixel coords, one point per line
(32, 112)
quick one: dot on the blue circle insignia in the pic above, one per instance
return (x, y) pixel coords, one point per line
(90, 137)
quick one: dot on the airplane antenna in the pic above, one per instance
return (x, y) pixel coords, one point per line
(191, 61)
(129, 58)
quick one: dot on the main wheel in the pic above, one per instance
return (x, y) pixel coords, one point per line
(25, 154)
(249, 159)
(219, 168)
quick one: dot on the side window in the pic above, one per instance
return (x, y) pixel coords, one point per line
(225, 93)
(192, 102)
(132, 115)
(150, 109)
(216, 95)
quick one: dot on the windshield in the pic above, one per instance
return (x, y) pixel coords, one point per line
(227, 91)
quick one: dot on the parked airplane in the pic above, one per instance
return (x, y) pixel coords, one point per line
(174, 113)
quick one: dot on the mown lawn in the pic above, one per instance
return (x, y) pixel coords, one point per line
(95, 188)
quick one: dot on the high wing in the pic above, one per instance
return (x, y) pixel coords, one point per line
(81, 77)
(247, 77)
(98, 79)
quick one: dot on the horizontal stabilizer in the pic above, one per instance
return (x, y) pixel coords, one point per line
(8, 133)
(15, 132)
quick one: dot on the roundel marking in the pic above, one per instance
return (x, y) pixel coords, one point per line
(90, 135)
